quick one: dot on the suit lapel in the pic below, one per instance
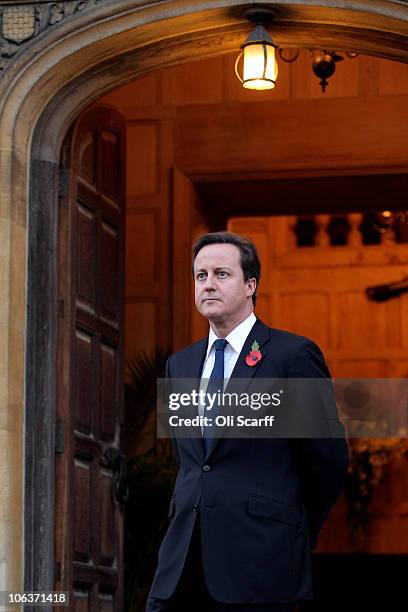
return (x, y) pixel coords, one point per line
(260, 334)
(192, 369)
(194, 361)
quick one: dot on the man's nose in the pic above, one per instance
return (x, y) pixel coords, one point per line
(209, 284)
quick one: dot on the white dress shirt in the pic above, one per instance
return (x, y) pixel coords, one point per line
(236, 340)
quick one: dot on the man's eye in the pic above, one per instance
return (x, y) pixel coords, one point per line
(223, 274)
(200, 276)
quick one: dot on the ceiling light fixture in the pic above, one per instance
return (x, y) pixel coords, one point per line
(259, 65)
(260, 68)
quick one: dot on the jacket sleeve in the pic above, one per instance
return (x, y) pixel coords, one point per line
(323, 456)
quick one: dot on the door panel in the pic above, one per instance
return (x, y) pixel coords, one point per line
(89, 520)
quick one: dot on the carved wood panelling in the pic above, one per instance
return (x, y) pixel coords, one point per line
(362, 367)
(199, 83)
(86, 246)
(305, 311)
(142, 169)
(141, 93)
(304, 134)
(110, 177)
(370, 325)
(85, 393)
(106, 602)
(86, 158)
(393, 78)
(82, 511)
(108, 391)
(399, 369)
(263, 307)
(81, 600)
(142, 248)
(107, 531)
(404, 320)
(148, 261)
(110, 269)
(142, 325)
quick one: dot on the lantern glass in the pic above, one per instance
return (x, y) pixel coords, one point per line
(260, 68)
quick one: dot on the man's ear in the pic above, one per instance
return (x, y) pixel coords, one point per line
(251, 284)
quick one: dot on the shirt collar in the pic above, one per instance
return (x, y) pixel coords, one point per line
(236, 338)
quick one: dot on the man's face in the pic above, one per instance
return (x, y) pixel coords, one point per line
(221, 293)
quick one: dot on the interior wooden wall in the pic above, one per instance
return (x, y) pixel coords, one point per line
(197, 117)
(195, 123)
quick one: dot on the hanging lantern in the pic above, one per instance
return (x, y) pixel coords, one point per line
(260, 68)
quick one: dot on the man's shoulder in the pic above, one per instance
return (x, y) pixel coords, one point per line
(284, 335)
(190, 350)
(288, 339)
(303, 356)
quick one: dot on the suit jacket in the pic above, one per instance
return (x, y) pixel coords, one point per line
(262, 502)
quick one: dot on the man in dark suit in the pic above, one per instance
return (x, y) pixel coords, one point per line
(245, 513)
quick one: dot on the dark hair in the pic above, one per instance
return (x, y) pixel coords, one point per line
(250, 264)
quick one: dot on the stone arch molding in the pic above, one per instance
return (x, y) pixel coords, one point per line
(58, 42)
(80, 49)
(57, 57)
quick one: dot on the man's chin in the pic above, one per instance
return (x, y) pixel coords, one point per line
(211, 308)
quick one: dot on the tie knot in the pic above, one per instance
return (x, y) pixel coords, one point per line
(220, 344)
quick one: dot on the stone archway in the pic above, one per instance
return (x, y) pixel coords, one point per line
(76, 59)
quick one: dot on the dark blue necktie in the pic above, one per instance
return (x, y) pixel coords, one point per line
(215, 384)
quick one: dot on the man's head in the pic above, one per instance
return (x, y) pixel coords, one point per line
(226, 270)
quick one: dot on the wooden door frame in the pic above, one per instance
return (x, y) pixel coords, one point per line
(42, 316)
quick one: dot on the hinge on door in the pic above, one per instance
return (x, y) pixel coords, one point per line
(64, 175)
(61, 305)
(59, 437)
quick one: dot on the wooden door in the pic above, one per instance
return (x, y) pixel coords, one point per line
(89, 518)
(319, 291)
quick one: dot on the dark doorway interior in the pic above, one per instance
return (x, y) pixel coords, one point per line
(358, 582)
(302, 195)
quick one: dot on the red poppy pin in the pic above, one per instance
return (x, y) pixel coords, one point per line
(254, 356)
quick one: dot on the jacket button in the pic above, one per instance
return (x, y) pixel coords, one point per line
(206, 468)
(196, 507)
